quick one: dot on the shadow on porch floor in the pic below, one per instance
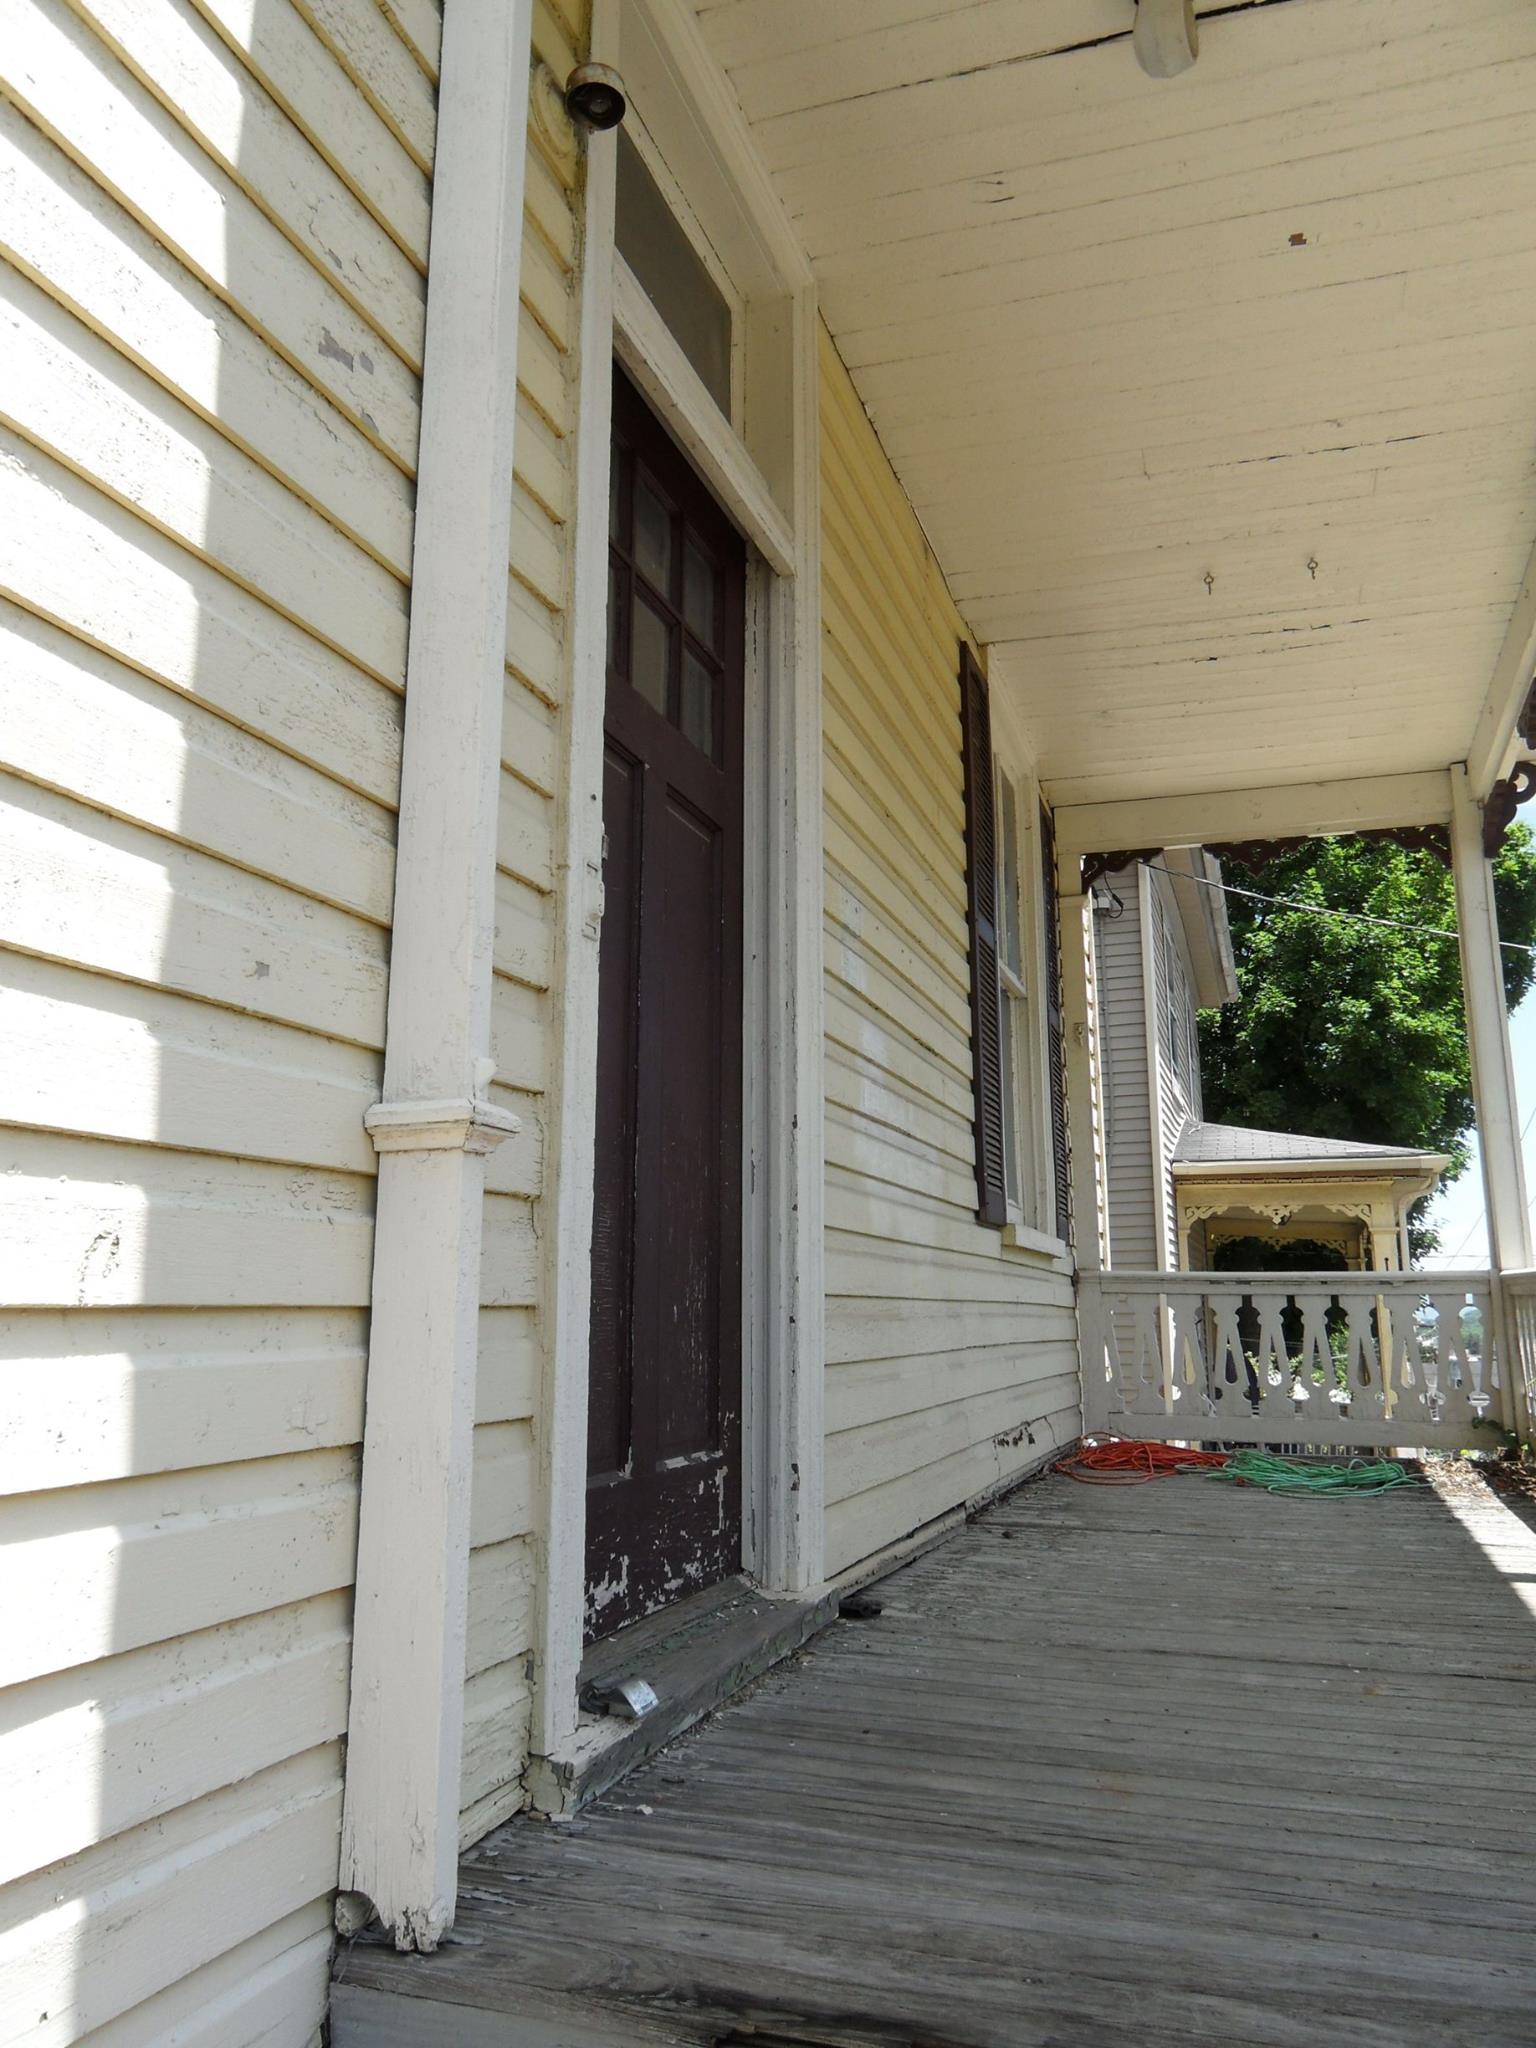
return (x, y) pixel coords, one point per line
(1153, 1765)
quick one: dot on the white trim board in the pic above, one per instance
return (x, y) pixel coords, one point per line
(400, 1819)
(676, 393)
(1507, 687)
(782, 1293)
(572, 1128)
(1281, 811)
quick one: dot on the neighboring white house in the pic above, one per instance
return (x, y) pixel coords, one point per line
(555, 700)
(1179, 1187)
(1162, 951)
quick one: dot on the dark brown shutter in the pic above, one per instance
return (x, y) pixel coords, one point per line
(1056, 1047)
(981, 892)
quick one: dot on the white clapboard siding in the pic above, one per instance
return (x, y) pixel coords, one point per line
(212, 256)
(501, 1591)
(496, 1720)
(63, 231)
(72, 396)
(88, 1753)
(524, 1018)
(420, 27)
(951, 1359)
(280, 48)
(501, 1496)
(510, 1362)
(524, 945)
(101, 1225)
(1176, 1104)
(1132, 1190)
(69, 83)
(205, 1878)
(98, 1570)
(535, 641)
(262, 1993)
(152, 758)
(123, 1393)
(382, 67)
(518, 1042)
(115, 1060)
(78, 885)
(72, 554)
(217, 99)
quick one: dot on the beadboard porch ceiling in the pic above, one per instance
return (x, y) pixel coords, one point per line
(1215, 395)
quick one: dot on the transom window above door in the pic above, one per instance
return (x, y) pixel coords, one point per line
(675, 277)
(666, 610)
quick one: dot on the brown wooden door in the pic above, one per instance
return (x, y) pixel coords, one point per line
(664, 1488)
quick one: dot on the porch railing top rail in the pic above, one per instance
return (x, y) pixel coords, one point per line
(1332, 1279)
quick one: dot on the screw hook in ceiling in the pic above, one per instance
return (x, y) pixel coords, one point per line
(1166, 39)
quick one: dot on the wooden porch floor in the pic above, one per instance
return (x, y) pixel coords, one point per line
(1158, 1765)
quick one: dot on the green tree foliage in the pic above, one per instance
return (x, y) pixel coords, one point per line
(1345, 1030)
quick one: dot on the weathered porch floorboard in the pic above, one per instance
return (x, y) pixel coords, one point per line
(1156, 1765)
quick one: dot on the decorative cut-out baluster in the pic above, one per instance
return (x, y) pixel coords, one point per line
(1363, 1377)
(1229, 1379)
(1453, 1359)
(1316, 1355)
(1151, 1396)
(1472, 1328)
(1277, 1379)
(1191, 1361)
(1404, 1370)
(1430, 1341)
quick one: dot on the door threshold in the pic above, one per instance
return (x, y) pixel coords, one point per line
(694, 1656)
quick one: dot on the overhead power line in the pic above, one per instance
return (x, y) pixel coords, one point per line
(1400, 924)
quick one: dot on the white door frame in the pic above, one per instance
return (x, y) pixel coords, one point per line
(766, 478)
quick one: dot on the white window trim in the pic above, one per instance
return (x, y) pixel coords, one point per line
(1034, 1231)
(695, 135)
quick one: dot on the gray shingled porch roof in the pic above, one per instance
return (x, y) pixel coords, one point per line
(1206, 1144)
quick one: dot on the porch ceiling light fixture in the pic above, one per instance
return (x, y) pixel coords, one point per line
(595, 96)
(1166, 39)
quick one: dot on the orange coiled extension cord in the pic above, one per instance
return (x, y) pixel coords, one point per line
(1120, 1461)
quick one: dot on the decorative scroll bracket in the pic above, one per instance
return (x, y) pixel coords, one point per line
(1257, 853)
(1503, 800)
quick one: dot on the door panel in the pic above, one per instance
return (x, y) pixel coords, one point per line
(610, 1393)
(664, 1493)
(688, 1414)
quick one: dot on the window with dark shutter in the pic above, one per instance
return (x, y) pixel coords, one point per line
(1055, 1042)
(981, 892)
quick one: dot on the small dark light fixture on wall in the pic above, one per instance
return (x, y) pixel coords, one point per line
(595, 96)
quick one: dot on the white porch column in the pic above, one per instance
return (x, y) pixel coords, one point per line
(1493, 1074)
(1075, 911)
(433, 1128)
(1084, 1132)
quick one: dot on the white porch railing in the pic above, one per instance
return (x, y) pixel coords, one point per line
(1357, 1359)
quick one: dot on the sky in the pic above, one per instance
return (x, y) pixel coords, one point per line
(1457, 1212)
